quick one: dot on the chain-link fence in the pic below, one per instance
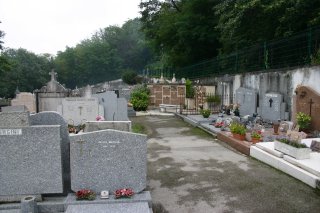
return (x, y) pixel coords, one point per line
(298, 50)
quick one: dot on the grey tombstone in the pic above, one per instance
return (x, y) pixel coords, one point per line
(92, 126)
(108, 160)
(115, 109)
(30, 159)
(19, 108)
(247, 99)
(141, 207)
(54, 118)
(272, 107)
(14, 119)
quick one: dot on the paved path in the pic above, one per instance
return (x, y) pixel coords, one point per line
(189, 171)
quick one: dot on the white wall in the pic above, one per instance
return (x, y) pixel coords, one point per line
(308, 77)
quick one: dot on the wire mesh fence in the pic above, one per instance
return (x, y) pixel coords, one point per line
(298, 50)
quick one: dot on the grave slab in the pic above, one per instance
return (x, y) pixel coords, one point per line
(311, 165)
(269, 147)
(110, 208)
(279, 163)
(108, 160)
(30, 162)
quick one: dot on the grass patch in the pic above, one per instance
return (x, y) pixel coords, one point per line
(138, 128)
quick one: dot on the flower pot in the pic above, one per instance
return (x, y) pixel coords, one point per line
(238, 136)
(298, 153)
(255, 140)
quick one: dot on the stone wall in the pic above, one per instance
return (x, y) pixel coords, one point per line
(167, 94)
(283, 82)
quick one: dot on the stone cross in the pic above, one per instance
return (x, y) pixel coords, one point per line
(270, 101)
(53, 75)
(310, 102)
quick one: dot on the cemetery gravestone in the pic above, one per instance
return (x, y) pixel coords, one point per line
(20, 108)
(115, 109)
(30, 157)
(54, 118)
(78, 110)
(272, 107)
(247, 99)
(108, 160)
(308, 102)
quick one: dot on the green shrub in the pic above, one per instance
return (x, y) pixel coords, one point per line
(303, 120)
(292, 143)
(214, 99)
(237, 128)
(140, 98)
(189, 89)
(205, 113)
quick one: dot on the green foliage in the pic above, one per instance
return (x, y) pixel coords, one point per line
(138, 128)
(184, 35)
(28, 71)
(105, 56)
(130, 77)
(237, 128)
(303, 120)
(190, 92)
(214, 99)
(205, 113)
(255, 135)
(140, 98)
(292, 143)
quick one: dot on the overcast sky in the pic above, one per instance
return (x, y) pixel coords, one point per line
(48, 26)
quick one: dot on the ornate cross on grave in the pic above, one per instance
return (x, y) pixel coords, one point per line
(53, 75)
(310, 102)
(80, 108)
(270, 101)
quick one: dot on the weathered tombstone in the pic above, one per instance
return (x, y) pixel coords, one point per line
(272, 107)
(108, 160)
(54, 118)
(78, 110)
(30, 157)
(247, 99)
(115, 109)
(308, 102)
(26, 99)
(20, 108)
(92, 126)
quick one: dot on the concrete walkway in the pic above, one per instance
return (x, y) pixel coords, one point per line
(189, 171)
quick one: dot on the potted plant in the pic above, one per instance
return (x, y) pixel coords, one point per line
(205, 113)
(292, 148)
(238, 130)
(303, 121)
(255, 137)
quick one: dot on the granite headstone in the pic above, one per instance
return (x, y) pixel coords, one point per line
(272, 107)
(108, 160)
(247, 99)
(30, 159)
(54, 118)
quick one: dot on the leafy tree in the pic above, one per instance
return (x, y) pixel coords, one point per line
(129, 77)
(140, 98)
(182, 32)
(28, 71)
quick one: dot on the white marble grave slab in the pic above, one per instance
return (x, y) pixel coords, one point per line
(311, 165)
(269, 147)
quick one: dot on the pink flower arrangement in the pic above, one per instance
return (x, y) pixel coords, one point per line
(85, 194)
(123, 193)
(100, 118)
(219, 124)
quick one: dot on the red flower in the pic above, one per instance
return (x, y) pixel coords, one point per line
(126, 193)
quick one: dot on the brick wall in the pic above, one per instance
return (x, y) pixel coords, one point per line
(167, 94)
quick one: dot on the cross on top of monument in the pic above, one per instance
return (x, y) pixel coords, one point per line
(53, 75)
